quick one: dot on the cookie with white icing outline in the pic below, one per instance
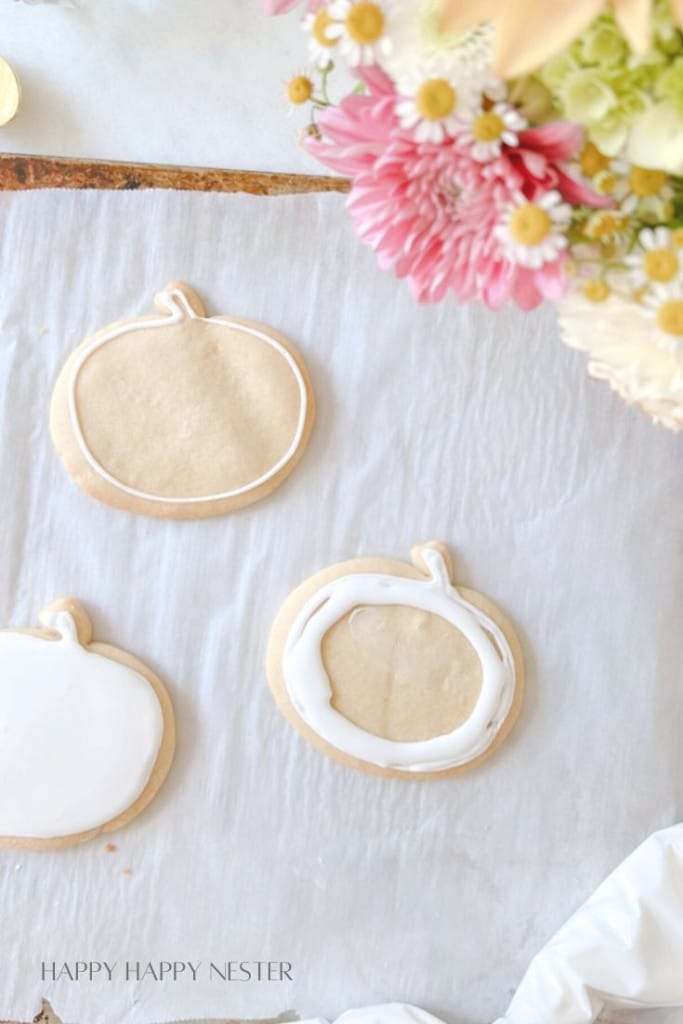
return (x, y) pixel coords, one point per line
(87, 733)
(390, 668)
(181, 415)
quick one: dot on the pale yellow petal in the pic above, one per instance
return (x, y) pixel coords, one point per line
(677, 8)
(530, 32)
(635, 21)
(459, 15)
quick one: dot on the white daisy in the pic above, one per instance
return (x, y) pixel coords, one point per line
(657, 260)
(429, 107)
(533, 233)
(320, 44)
(611, 226)
(489, 130)
(667, 303)
(421, 46)
(360, 26)
(645, 190)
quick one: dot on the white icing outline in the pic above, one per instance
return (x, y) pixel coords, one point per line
(308, 684)
(180, 309)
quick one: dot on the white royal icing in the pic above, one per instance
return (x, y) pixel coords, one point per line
(388, 1013)
(79, 734)
(179, 309)
(308, 684)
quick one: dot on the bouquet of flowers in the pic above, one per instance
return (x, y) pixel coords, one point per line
(536, 154)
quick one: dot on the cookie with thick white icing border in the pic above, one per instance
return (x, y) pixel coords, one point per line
(87, 733)
(181, 415)
(390, 668)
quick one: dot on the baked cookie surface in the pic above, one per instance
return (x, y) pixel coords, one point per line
(390, 668)
(181, 415)
(87, 733)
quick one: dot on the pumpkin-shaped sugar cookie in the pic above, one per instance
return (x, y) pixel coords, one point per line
(390, 668)
(86, 733)
(182, 415)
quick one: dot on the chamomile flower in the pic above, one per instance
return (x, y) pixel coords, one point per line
(646, 190)
(609, 227)
(657, 260)
(667, 303)
(299, 89)
(489, 130)
(321, 44)
(360, 27)
(428, 107)
(420, 45)
(533, 233)
(596, 289)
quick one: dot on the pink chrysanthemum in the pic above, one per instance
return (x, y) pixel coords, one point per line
(431, 211)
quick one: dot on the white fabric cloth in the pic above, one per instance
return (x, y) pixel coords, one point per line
(623, 948)
(559, 503)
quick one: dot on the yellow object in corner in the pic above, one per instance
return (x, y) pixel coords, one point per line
(10, 93)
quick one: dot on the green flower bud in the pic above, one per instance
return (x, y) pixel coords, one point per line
(587, 98)
(604, 45)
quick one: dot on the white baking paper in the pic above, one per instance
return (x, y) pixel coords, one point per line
(560, 503)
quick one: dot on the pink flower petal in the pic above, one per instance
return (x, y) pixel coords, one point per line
(558, 140)
(429, 211)
(283, 6)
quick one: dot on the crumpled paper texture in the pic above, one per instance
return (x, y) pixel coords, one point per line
(560, 503)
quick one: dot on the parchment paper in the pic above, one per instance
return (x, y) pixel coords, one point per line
(561, 504)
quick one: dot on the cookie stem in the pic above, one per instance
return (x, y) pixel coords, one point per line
(178, 299)
(433, 559)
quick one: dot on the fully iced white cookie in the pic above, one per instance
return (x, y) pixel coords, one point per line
(393, 669)
(86, 733)
(386, 1013)
(181, 415)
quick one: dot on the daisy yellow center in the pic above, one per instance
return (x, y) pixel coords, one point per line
(670, 317)
(488, 127)
(365, 23)
(319, 28)
(299, 89)
(530, 224)
(645, 182)
(660, 264)
(593, 161)
(435, 99)
(606, 182)
(596, 291)
(602, 225)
